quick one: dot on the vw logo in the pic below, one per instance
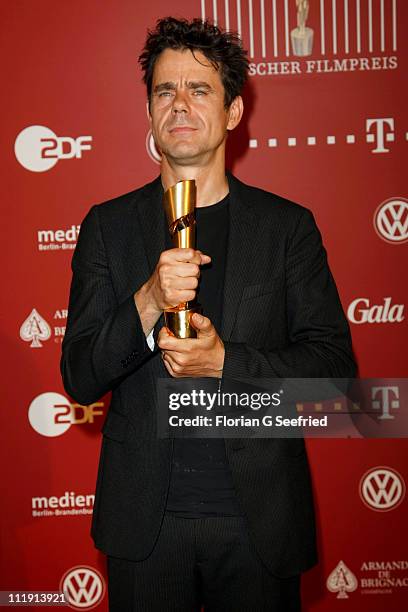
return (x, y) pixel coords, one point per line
(391, 220)
(83, 587)
(382, 489)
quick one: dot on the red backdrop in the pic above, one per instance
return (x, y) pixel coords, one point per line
(327, 130)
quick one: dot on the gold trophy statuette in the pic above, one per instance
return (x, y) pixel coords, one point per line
(179, 204)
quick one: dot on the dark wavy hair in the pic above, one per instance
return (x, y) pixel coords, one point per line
(223, 50)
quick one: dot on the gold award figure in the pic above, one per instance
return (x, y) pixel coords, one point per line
(179, 204)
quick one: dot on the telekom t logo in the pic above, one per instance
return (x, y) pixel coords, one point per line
(384, 398)
(378, 132)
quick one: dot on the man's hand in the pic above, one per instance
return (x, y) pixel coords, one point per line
(196, 357)
(174, 280)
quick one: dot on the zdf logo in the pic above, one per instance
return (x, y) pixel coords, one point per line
(51, 414)
(38, 149)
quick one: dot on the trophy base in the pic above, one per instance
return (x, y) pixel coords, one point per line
(302, 42)
(177, 321)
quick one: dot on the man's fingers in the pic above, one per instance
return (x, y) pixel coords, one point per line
(173, 367)
(202, 324)
(169, 342)
(187, 255)
(186, 270)
(166, 341)
(205, 259)
(168, 367)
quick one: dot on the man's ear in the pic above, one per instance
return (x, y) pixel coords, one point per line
(235, 112)
(149, 117)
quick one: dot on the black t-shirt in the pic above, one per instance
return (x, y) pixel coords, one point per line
(201, 481)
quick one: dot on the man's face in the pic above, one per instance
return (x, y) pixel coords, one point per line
(187, 114)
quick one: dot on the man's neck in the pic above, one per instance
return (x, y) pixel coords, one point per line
(211, 182)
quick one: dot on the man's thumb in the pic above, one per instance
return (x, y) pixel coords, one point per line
(202, 324)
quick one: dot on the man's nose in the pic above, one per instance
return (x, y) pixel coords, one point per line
(180, 103)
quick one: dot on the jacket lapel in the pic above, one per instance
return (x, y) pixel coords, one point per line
(153, 224)
(242, 237)
(152, 221)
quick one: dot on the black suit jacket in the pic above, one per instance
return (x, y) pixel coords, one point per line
(282, 317)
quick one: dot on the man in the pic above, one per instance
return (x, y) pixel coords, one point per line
(224, 524)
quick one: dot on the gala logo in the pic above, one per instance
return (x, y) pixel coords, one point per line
(360, 311)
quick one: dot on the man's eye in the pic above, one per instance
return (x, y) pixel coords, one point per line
(163, 94)
(200, 92)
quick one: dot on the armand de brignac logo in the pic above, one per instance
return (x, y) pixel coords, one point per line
(35, 329)
(341, 581)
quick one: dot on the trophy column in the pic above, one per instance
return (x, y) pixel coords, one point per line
(179, 204)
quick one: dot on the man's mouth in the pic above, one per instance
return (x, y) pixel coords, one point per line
(179, 129)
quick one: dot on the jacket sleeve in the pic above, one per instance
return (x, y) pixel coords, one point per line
(104, 340)
(319, 337)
